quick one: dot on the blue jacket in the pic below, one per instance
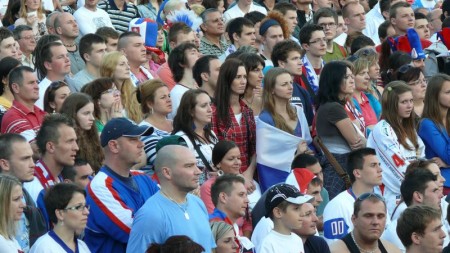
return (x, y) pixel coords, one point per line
(113, 206)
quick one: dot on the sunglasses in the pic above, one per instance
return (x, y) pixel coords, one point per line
(367, 195)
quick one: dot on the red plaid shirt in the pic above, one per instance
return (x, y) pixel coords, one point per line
(245, 138)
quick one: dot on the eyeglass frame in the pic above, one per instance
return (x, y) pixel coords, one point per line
(79, 208)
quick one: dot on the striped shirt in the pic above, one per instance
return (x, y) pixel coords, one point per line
(120, 18)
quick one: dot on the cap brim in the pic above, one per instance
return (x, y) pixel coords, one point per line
(301, 199)
(139, 131)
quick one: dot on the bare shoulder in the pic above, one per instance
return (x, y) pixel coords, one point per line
(391, 248)
(339, 247)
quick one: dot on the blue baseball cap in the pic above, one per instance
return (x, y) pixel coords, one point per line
(118, 127)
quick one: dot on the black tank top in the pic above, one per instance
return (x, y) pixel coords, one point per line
(351, 245)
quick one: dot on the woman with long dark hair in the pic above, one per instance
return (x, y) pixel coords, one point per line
(414, 78)
(254, 66)
(233, 119)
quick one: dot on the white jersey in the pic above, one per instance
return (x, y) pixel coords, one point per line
(394, 159)
(47, 244)
(337, 216)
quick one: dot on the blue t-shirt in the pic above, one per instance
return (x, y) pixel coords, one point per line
(160, 218)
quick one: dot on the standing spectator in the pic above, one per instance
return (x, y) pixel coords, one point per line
(415, 79)
(116, 194)
(31, 13)
(90, 18)
(314, 42)
(12, 209)
(213, 28)
(115, 65)
(55, 95)
(121, 13)
(254, 66)
(433, 129)
(92, 50)
(23, 34)
(240, 9)
(311, 242)
(193, 123)
(173, 210)
(232, 119)
(52, 64)
(333, 125)
(181, 62)
(6, 96)
(111, 37)
(107, 101)
(327, 18)
(24, 117)
(80, 108)
(396, 131)
(67, 28)
(68, 211)
(131, 44)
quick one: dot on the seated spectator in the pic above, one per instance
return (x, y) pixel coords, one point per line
(397, 131)
(32, 14)
(90, 18)
(6, 95)
(225, 237)
(173, 210)
(308, 231)
(80, 108)
(120, 13)
(254, 66)
(68, 211)
(176, 243)
(24, 36)
(369, 220)
(116, 193)
(24, 117)
(375, 88)
(107, 101)
(213, 28)
(80, 173)
(155, 106)
(416, 225)
(111, 37)
(55, 95)
(415, 79)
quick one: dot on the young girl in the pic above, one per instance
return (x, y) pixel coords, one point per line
(395, 139)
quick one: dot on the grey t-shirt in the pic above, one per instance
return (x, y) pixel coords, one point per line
(79, 80)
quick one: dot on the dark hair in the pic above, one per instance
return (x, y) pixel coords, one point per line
(374, 198)
(177, 28)
(5, 33)
(45, 55)
(236, 25)
(303, 161)
(7, 141)
(177, 58)
(355, 160)
(385, 5)
(184, 119)
(415, 219)
(281, 50)
(49, 131)
(17, 32)
(446, 21)
(415, 181)
(221, 149)
(325, 12)
(382, 29)
(432, 107)
(212, 4)
(95, 90)
(307, 31)
(332, 76)
(176, 244)
(389, 64)
(38, 58)
(6, 65)
(408, 73)
(228, 72)
(251, 62)
(123, 39)
(16, 75)
(360, 42)
(255, 17)
(11, 13)
(50, 93)
(86, 43)
(202, 66)
(284, 7)
(69, 172)
(420, 15)
(107, 32)
(224, 184)
(58, 197)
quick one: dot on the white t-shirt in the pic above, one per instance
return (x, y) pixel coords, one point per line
(43, 85)
(175, 95)
(340, 40)
(46, 244)
(275, 242)
(9, 246)
(89, 21)
(236, 12)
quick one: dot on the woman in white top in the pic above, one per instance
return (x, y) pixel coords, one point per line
(193, 123)
(395, 139)
(11, 210)
(32, 14)
(67, 210)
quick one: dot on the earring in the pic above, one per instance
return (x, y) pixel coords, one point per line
(151, 110)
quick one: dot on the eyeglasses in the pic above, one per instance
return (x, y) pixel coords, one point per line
(79, 208)
(328, 25)
(31, 37)
(349, 76)
(367, 195)
(422, 81)
(366, 52)
(113, 91)
(316, 41)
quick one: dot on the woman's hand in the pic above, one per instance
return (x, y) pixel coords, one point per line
(31, 19)
(360, 143)
(439, 162)
(116, 109)
(249, 185)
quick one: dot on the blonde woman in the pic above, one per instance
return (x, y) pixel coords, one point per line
(32, 14)
(224, 236)
(11, 210)
(115, 65)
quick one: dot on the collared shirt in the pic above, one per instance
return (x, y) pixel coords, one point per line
(28, 61)
(120, 18)
(209, 48)
(19, 119)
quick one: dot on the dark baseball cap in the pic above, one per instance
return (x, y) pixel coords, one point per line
(284, 192)
(118, 127)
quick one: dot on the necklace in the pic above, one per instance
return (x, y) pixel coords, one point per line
(249, 103)
(70, 45)
(362, 250)
(186, 214)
